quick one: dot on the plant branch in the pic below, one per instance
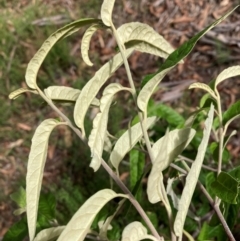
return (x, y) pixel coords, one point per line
(211, 201)
(132, 200)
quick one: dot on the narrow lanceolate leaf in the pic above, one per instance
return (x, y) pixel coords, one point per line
(49, 234)
(106, 11)
(66, 94)
(13, 95)
(36, 163)
(144, 38)
(99, 131)
(36, 61)
(79, 225)
(203, 87)
(172, 60)
(165, 150)
(148, 89)
(135, 231)
(192, 176)
(91, 89)
(86, 42)
(232, 113)
(127, 141)
(227, 73)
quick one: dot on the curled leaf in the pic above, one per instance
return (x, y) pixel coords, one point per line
(227, 73)
(79, 225)
(66, 94)
(203, 87)
(36, 61)
(165, 150)
(86, 42)
(36, 163)
(148, 89)
(91, 89)
(135, 231)
(106, 12)
(49, 234)
(127, 141)
(192, 176)
(99, 131)
(15, 94)
(144, 38)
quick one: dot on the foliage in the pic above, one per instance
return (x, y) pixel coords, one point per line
(166, 153)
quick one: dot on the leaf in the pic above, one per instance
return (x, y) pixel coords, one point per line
(171, 193)
(19, 197)
(192, 176)
(148, 89)
(38, 58)
(36, 163)
(78, 227)
(172, 60)
(165, 150)
(15, 94)
(214, 149)
(99, 131)
(137, 163)
(203, 87)
(86, 42)
(208, 233)
(65, 93)
(226, 188)
(49, 234)
(135, 231)
(17, 232)
(106, 12)
(232, 113)
(227, 73)
(165, 112)
(144, 38)
(47, 206)
(127, 141)
(91, 89)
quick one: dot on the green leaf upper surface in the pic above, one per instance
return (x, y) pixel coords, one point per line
(66, 94)
(91, 89)
(99, 131)
(144, 38)
(127, 141)
(49, 234)
(36, 163)
(19, 197)
(165, 112)
(232, 113)
(164, 151)
(106, 11)
(192, 176)
(208, 233)
(38, 58)
(172, 60)
(80, 224)
(226, 188)
(227, 73)
(17, 232)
